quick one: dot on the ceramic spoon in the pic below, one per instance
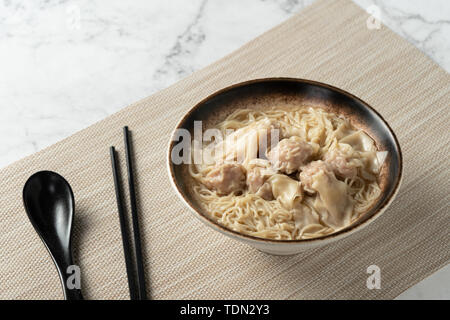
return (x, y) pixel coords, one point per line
(49, 203)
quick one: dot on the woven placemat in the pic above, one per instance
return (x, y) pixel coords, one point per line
(328, 42)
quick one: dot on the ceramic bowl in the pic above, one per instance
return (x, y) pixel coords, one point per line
(286, 92)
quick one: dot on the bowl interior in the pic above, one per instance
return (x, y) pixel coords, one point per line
(286, 93)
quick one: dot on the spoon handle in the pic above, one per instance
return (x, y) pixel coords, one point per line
(69, 294)
(72, 294)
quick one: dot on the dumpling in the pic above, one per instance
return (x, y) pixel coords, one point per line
(265, 191)
(359, 141)
(333, 202)
(365, 147)
(287, 190)
(341, 161)
(245, 144)
(258, 171)
(308, 172)
(290, 154)
(226, 178)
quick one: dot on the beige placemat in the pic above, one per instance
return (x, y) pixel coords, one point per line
(327, 42)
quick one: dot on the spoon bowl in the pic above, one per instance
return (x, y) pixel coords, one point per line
(50, 206)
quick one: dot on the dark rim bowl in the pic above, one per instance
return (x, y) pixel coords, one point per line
(285, 91)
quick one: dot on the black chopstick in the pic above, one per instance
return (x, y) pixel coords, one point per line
(135, 218)
(134, 294)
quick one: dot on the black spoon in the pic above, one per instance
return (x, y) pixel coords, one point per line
(50, 206)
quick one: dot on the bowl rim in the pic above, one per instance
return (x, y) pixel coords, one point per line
(338, 234)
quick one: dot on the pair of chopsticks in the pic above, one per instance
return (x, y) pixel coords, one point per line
(137, 291)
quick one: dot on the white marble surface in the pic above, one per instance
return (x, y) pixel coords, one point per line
(65, 64)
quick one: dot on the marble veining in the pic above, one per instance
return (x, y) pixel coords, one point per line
(177, 60)
(66, 64)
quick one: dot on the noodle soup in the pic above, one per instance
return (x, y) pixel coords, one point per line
(292, 174)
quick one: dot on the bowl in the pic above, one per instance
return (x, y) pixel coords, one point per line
(286, 92)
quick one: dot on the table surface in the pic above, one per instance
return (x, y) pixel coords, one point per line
(67, 64)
